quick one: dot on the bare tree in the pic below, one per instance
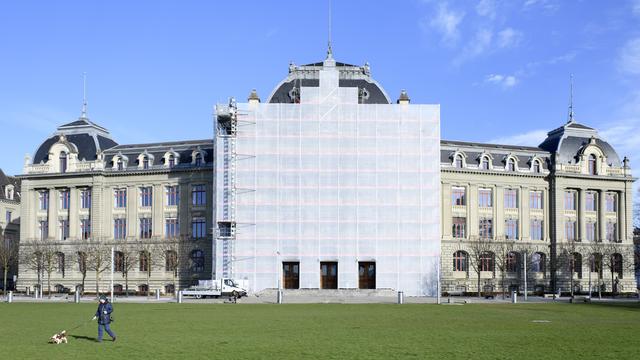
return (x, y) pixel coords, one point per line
(129, 259)
(566, 260)
(479, 248)
(174, 253)
(42, 256)
(613, 256)
(30, 255)
(596, 259)
(149, 259)
(501, 249)
(81, 257)
(98, 255)
(8, 257)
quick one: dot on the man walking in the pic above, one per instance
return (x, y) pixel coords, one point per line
(104, 318)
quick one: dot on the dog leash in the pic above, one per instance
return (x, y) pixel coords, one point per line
(79, 325)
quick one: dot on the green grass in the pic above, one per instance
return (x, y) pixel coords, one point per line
(199, 331)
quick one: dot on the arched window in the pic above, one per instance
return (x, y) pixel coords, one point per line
(143, 289)
(63, 162)
(198, 159)
(487, 261)
(145, 162)
(118, 261)
(538, 262)
(576, 264)
(616, 264)
(120, 164)
(82, 262)
(169, 289)
(512, 262)
(460, 261)
(536, 166)
(595, 263)
(592, 164)
(511, 164)
(60, 263)
(484, 163)
(117, 288)
(458, 161)
(171, 260)
(144, 261)
(59, 288)
(171, 160)
(197, 261)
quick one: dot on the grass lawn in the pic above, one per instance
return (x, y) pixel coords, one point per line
(199, 331)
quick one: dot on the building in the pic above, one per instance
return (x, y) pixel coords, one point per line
(84, 194)
(9, 226)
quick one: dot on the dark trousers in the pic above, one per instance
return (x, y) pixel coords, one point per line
(106, 327)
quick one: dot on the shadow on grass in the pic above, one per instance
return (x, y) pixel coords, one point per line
(82, 337)
(627, 305)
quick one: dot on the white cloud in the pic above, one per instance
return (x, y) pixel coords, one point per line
(505, 81)
(548, 5)
(446, 22)
(629, 59)
(509, 37)
(635, 7)
(530, 138)
(486, 8)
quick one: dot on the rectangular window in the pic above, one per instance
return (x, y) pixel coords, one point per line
(120, 198)
(570, 229)
(484, 198)
(64, 229)
(85, 199)
(611, 232)
(85, 228)
(44, 200)
(569, 200)
(146, 196)
(459, 227)
(64, 199)
(173, 198)
(591, 229)
(590, 201)
(119, 229)
(367, 275)
(536, 229)
(458, 196)
(8, 216)
(145, 228)
(511, 229)
(43, 227)
(199, 195)
(611, 202)
(486, 228)
(171, 228)
(535, 199)
(199, 228)
(291, 275)
(510, 199)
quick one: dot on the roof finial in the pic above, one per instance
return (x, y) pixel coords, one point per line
(83, 114)
(329, 49)
(571, 101)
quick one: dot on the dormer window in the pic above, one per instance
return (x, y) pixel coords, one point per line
(458, 161)
(484, 163)
(592, 165)
(9, 192)
(511, 165)
(120, 164)
(145, 163)
(63, 162)
(171, 161)
(198, 159)
(536, 166)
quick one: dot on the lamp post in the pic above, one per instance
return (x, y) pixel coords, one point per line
(279, 296)
(524, 264)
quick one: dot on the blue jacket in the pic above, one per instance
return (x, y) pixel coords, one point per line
(104, 313)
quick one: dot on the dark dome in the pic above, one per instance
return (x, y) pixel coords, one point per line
(567, 141)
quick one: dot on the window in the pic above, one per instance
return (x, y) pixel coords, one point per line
(484, 197)
(118, 261)
(291, 275)
(486, 228)
(144, 261)
(145, 162)
(570, 229)
(569, 200)
(64, 229)
(536, 229)
(8, 216)
(458, 196)
(173, 196)
(484, 163)
(198, 159)
(510, 199)
(171, 228)
(460, 261)
(511, 229)
(576, 264)
(199, 195)
(197, 261)
(64, 199)
(592, 164)
(611, 202)
(120, 164)
(458, 163)
(145, 228)
(170, 260)
(591, 229)
(590, 201)
(60, 263)
(146, 196)
(63, 162)
(611, 233)
(43, 228)
(119, 229)
(538, 262)
(536, 166)
(143, 289)
(486, 261)
(85, 198)
(199, 228)
(44, 199)
(596, 263)
(171, 161)
(511, 264)
(366, 275)
(511, 164)
(459, 226)
(85, 228)
(328, 275)
(535, 199)
(616, 264)
(120, 198)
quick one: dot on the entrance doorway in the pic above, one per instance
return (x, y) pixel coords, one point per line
(367, 275)
(328, 275)
(291, 275)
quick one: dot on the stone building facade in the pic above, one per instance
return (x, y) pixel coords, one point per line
(9, 223)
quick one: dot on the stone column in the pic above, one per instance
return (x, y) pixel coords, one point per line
(97, 210)
(497, 194)
(472, 209)
(52, 214)
(446, 210)
(601, 212)
(581, 214)
(132, 211)
(157, 210)
(622, 218)
(74, 205)
(524, 216)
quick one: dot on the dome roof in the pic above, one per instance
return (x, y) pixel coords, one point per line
(568, 140)
(349, 76)
(88, 138)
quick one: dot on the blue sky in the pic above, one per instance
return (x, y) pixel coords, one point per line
(499, 69)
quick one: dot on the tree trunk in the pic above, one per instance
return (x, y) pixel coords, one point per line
(613, 292)
(126, 283)
(148, 280)
(97, 283)
(571, 280)
(479, 284)
(49, 284)
(503, 295)
(6, 272)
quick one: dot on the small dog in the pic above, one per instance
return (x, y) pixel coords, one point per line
(59, 338)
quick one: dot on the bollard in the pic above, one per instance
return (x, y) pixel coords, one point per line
(179, 297)
(279, 296)
(28, 291)
(76, 297)
(157, 294)
(514, 297)
(10, 298)
(400, 297)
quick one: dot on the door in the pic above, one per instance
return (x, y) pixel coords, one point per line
(328, 275)
(367, 275)
(291, 275)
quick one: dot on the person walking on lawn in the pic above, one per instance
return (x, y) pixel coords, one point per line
(103, 314)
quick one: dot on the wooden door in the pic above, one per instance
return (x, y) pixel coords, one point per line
(328, 275)
(291, 275)
(367, 275)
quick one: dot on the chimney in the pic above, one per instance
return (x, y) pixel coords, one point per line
(404, 98)
(253, 97)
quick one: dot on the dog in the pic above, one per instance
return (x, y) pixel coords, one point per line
(59, 338)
